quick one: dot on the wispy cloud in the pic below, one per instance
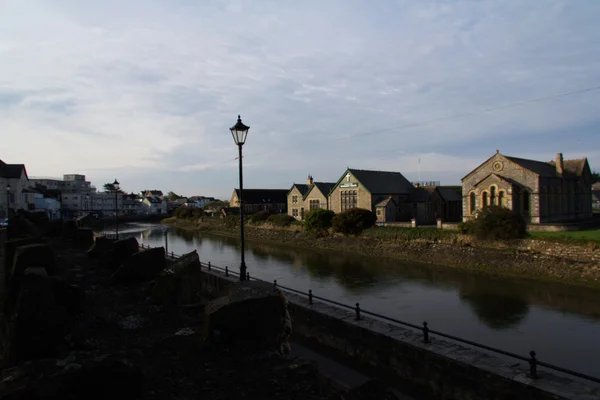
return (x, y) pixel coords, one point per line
(147, 90)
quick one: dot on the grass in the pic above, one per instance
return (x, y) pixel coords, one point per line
(590, 235)
(401, 233)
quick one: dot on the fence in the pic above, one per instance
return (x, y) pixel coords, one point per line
(426, 331)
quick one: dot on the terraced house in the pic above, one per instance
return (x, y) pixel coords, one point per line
(542, 192)
(310, 196)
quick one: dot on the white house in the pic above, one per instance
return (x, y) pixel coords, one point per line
(154, 205)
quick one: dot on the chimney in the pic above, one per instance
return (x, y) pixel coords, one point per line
(309, 181)
(559, 164)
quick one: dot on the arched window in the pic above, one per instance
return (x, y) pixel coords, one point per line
(493, 195)
(501, 199)
(472, 203)
(526, 197)
(484, 199)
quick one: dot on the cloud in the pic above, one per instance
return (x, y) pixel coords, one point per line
(148, 90)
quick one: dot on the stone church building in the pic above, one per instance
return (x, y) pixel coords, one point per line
(543, 192)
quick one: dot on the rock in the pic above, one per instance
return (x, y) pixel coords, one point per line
(37, 326)
(10, 247)
(116, 376)
(372, 389)
(253, 316)
(101, 244)
(118, 251)
(33, 255)
(181, 283)
(69, 230)
(84, 237)
(70, 297)
(142, 266)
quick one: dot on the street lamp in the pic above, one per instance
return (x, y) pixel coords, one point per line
(116, 189)
(7, 210)
(239, 132)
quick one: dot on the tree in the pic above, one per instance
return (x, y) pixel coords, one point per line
(353, 221)
(172, 196)
(216, 205)
(595, 177)
(318, 221)
(495, 222)
(110, 188)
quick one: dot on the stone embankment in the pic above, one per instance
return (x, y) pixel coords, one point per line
(561, 262)
(120, 322)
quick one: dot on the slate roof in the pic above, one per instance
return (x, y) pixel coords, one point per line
(256, 196)
(302, 188)
(421, 194)
(324, 187)
(573, 167)
(12, 171)
(449, 194)
(539, 167)
(381, 182)
(385, 202)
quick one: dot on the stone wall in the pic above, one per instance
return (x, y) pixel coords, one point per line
(439, 369)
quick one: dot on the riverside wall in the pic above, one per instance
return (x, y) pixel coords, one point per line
(440, 369)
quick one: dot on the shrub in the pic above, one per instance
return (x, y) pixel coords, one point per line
(495, 222)
(464, 227)
(318, 221)
(197, 213)
(353, 221)
(259, 217)
(281, 220)
(231, 221)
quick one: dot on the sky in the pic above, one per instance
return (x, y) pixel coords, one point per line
(145, 91)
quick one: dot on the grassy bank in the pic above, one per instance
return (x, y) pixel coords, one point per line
(564, 263)
(576, 237)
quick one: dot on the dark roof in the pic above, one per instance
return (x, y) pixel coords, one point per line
(261, 196)
(573, 167)
(385, 202)
(12, 171)
(539, 167)
(324, 187)
(381, 182)
(449, 194)
(302, 188)
(153, 199)
(420, 194)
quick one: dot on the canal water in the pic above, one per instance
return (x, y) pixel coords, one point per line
(560, 322)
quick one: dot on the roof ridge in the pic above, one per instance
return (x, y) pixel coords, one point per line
(374, 170)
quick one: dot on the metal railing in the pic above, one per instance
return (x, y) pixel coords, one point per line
(425, 330)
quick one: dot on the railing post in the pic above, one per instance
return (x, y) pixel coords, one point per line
(226, 270)
(247, 276)
(357, 309)
(426, 333)
(275, 282)
(533, 366)
(209, 265)
(310, 296)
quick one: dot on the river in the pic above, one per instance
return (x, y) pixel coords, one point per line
(560, 322)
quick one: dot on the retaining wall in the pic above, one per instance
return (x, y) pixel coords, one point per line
(440, 369)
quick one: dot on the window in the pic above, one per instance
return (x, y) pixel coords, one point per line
(349, 199)
(295, 212)
(493, 195)
(526, 202)
(379, 211)
(501, 198)
(294, 200)
(472, 203)
(314, 204)
(484, 199)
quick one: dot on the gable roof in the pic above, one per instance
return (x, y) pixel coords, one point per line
(12, 171)
(572, 167)
(449, 194)
(324, 188)
(539, 167)
(422, 193)
(385, 202)
(500, 177)
(271, 196)
(303, 188)
(379, 182)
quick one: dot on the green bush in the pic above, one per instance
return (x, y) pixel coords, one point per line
(353, 221)
(464, 227)
(184, 212)
(318, 221)
(281, 220)
(495, 222)
(197, 213)
(259, 217)
(231, 221)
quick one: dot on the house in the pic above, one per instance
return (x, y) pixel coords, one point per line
(542, 192)
(154, 205)
(132, 204)
(274, 200)
(305, 197)
(153, 193)
(367, 189)
(227, 211)
(596, 195)
(200, 201)
(15, 176)
(430, 203)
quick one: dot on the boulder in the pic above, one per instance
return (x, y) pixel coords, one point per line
(10, 247)
(69, 230)
(84, 237)
(33, 255)
(116, 376)
(118, 251)
(70, 297)
(142, 266)
(100, 245)
(253, 316)
(37, 326)
(180, 283)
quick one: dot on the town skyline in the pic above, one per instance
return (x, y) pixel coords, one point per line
(146, 94)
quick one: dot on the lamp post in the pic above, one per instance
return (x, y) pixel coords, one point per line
(116, 189)
(8, 211)
(239, 132)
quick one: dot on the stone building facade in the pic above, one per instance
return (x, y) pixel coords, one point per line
(305, 197)
(543, 192)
